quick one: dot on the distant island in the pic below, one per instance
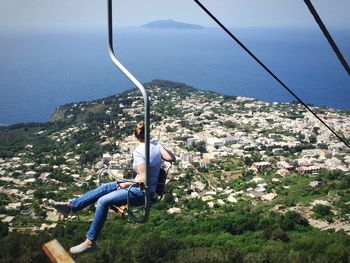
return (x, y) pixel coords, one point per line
(170, 24)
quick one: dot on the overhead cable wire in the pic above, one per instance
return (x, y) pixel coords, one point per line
(328, 36)
(270, 72)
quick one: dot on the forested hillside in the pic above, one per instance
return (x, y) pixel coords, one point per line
(253, 182)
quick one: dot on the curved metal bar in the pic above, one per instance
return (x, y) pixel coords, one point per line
(130, 211)
(100, 173)
(120, 66)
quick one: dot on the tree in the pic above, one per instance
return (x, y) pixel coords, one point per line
(322, 210)
(279, 234)
(39, 194)
(3, 230)
(200, 147)
(290, 201)
(155, 249)
(197, 204)
(291, 219)
(331, 175)
(230, 124)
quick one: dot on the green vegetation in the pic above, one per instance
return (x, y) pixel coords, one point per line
(58, 152)
(323, 212)
(241, 235)
(198, 147)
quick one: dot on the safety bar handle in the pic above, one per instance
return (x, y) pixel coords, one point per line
(121, 67)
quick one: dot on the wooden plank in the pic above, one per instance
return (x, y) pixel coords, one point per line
(56, 252)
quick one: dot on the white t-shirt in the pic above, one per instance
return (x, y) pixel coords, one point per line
(155, 162)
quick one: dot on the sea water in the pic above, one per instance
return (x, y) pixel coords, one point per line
(39, 71)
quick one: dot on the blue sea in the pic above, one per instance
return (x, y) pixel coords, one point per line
(39, 71)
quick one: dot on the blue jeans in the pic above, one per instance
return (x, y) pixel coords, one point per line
(106, 195)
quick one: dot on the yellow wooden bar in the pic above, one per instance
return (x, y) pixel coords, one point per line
(56, 252)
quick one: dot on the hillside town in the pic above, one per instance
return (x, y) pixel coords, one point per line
(219, 140)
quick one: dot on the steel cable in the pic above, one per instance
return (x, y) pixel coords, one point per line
(270, 72)
(328, 36)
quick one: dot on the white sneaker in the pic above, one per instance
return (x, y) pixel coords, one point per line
(82, 248)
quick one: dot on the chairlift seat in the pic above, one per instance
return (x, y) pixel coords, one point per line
(155, 197)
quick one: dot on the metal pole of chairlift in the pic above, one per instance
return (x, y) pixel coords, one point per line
(120, 66)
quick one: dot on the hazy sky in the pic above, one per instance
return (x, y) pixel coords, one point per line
(50, 14)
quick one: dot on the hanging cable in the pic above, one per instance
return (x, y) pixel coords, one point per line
(328, 36)
(270, 72)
